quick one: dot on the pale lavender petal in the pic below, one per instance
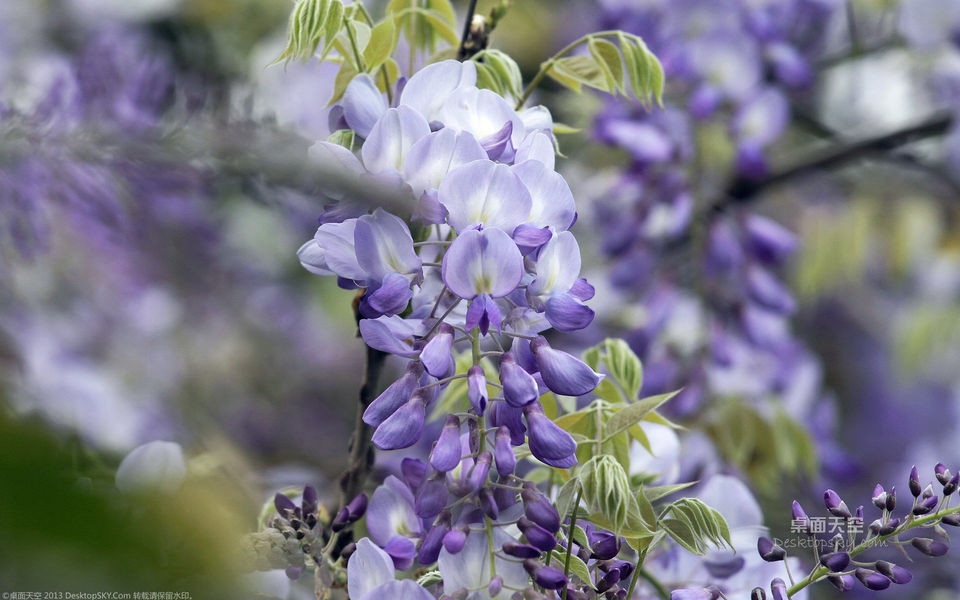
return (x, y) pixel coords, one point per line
(368, 567)
(484, 313)
(313, 258)
(469, 569)
(392, 334)
(537, 146)
(402, 550)
(391, 139)
(519, 387)
(537, 118)
(552, 201)
(396, 395)
(429, 210)
(477, 389)
(531, 237)
(582, 290)
(403, 589)
(445, 455)
(431, 85)
(384, 245)
(558, 266)
(482, 262)
(763, 118)
(432, 157)
(336, 158)
(363, 104)
(486, 193)
(481, 112)
(335, 241)
(390, 298)
(497, 144)
(390, 512)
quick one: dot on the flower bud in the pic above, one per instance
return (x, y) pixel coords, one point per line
(519, 550)
(536, 535)
(879, 497)
(445, 455)
(546, 577)
(890, 526)
(942, 473)
(891, 499)
(758, 594)
(430, 500)
(503, 452)
(494, 587)
(604, 545)
(779, 589)
(835, 561)
(561, 372)
(930, 547)
(835, 505)
(153, 468)
(895, 573)
(951, 485)
(432, 543)
(915, 482)
(413, 472)
(437, 355)
(769, 551)
(284, 505)
(952, 519)
(454, 540)
(800, 518)
(539, 509)
(477, 389)
(871, 579)
(519, 387)
(925, 505)
(844, 583)
(606, 582)
(488, 504)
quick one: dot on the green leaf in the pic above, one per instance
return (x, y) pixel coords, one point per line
(423, 27)
(695, 526)
(430, 578)
(606, 489)
(342, 137)
(311, 22)
(654, 493)
(383, 41)
(624, 365)
(607, 58)
(579, 568)
(344, 76)
(566, 496)
(563, 129)
(574, 72)
(628, 416)
(498, 72)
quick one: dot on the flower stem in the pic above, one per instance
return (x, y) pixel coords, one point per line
(570, 530)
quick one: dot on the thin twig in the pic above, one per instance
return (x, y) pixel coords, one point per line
(462, 52)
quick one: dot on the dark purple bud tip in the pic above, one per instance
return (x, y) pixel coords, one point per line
(951, 486)
(942, 473)
(895, 573)
(536, 535)
(844, 583)
(604, 545)
(769, 551)
(546, 577)
(311, 501)
(871, 579)
(357, 506)
(758, 594)
(800, 518)
(925, 505)
(835, 505)
(890, 526)
(284, 505)
(952, 519)
(341, 520)
(835, 561)
(915, 488)
(348, 550)
(891, 499)
(608, 581)
(930, 547)
(520, 550)
(540, 510)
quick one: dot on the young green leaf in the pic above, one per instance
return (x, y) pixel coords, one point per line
(628, 416)
(607, 58)
(383, 41)
(566, 496)
(579, 568)
(695, 526)
(311, 22)
(498, 72)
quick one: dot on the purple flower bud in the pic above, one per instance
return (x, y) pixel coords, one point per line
(547, 441)
(757, 593)
(604, 545)
(503, 452)
(539, 509)
(413, 471)
(835, 561)
(502, 413)
(722, 565)
(536, 535)
(431, 498)
(942, 473)
(952, 519)
(293, 573)
(488, 504)
(895, 573)
(608, 581)
(432, 542)
(915, 482)
(879, 497)
(844, 583)
(519, 550)
(835, 505)
(494, 587)
(710, 593)
(437, 356)
(769, 551)
(778, 589)
(396, 395)
(800, 518)
(284, 505)
(561, 372)
(519, 387)
(871, 579)
(768, 240)
(890, 526)
(402, 429)
(951, 486)
(311, 501)
(546, 577)
(454, 540)
(477, 389)
(891, 499)
(445, 455)
(925, 505)
(930, 547)
(477, 477)
(927, 491)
